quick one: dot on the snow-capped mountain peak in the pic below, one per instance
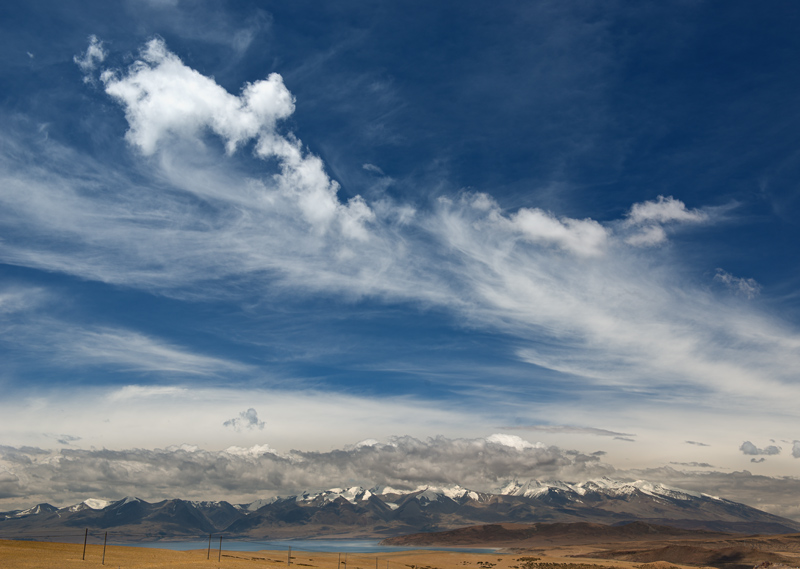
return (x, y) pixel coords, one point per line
(602, 486)
(36, 510)
(126, 500)
(90, 504)
(256, 504)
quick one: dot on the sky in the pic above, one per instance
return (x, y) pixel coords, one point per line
(253, 248)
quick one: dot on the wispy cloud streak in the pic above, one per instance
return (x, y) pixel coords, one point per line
(580, 297)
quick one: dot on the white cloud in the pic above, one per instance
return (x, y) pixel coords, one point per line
(647, 237)
(664, 210)
(66, 344)
(17, 299)
(131, 392)
(745, 287)
(134, 351)
(246, 420)
(647, 219)
(164, 97)
(94, 55)
(513, 441)
(796, 449)
(373, 168)
(581, 236)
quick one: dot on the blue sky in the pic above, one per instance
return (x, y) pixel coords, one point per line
(562, 233)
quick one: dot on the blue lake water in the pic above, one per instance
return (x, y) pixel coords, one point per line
(313, 545)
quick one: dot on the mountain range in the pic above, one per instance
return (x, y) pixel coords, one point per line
(386, 512)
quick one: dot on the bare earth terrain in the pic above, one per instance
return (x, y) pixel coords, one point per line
(42, 555)
(637, 543)
(550, 552)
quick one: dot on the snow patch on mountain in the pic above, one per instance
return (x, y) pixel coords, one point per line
(90, 504)
(353, 495)
(256, 504)
(456, 493)
(126, 500)
(604, 486)
(37, 509)
(205, 503)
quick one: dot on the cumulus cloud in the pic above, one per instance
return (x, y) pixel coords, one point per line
(162, 97)
(513, 441)
(246, 420)
(584, 237)
(796, 449)
(664, 210)
(88, 61)
(649, 217)
(746, 287)
(751, 449)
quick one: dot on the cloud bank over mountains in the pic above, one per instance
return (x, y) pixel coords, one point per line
(240, 474)
(260, 471)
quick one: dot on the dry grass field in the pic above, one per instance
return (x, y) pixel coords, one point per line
(46, 555)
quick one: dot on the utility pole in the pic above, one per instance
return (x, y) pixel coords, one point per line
(219, 557)
(289, 557)
(208, 555)
(105, 539)
(85, 537)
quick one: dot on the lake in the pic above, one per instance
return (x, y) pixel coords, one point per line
(314, 545)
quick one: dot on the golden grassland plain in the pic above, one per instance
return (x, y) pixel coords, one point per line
(48, 555)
